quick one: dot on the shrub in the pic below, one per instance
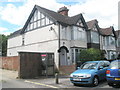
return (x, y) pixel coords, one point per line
(90, 55)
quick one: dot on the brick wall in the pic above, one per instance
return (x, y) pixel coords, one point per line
(10, 63)
(66, 70)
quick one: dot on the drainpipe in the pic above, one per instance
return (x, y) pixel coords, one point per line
(56, 74)
(59, 44)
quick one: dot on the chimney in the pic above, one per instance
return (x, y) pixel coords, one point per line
(63, 11)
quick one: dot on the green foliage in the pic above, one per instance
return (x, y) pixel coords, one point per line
(3, 44)
(90, 55)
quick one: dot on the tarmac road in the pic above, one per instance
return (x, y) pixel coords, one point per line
(9, 80)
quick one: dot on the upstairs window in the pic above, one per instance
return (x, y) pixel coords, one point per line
(107, 41)
(94, 37)
(78, 34)
(112, 40)
(118, 42)
(64, 32)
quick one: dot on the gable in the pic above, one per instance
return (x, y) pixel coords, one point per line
(79, 23)
(95, 28)
(37, 20)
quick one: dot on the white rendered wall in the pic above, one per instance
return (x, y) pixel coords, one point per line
(15, 41)
(40, 40)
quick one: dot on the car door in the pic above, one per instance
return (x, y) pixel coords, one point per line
(115, 69)
(102, 71)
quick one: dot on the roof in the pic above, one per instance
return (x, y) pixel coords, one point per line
(56, 17)
(60, 18)
(117, 33)
(16, 33)
(92, 23)
(107, 31)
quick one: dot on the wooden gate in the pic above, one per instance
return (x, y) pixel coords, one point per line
(34, 64)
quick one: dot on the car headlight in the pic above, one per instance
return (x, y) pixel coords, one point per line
(87, 75)
(71, 75)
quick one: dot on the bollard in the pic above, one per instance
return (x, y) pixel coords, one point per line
(56, 78)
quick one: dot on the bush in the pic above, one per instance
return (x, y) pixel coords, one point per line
(90, 55)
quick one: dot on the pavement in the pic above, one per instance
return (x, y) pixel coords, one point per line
(8, 73)
(42, 81)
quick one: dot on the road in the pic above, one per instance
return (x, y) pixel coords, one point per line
(9, 81)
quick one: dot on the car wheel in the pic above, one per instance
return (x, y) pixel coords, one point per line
(110, 84)
(95, 81)
(75, 84)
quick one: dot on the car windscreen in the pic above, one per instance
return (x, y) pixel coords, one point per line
(89, 65)
(115, 65)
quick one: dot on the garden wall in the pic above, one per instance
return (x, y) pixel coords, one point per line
(10, 63)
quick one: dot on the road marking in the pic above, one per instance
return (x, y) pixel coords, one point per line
(40, 84)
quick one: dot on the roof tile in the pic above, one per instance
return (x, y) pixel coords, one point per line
(106, 31)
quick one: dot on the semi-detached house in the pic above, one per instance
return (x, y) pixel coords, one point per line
(61, 36)
(50, 32)
(103, 39)
(93, 35)
(108, 42)
(118, 41)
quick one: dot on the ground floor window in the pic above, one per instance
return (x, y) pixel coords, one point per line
(75, 52)
(111, 55)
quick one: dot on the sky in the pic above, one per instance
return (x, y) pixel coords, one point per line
(14, 13)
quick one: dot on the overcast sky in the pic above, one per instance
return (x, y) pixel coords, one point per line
(14, 13)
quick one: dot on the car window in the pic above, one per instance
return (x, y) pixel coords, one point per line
(106, 64)
(89, 66)
(101, 64)
(115, 65)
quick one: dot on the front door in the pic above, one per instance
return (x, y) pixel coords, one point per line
(63, 57)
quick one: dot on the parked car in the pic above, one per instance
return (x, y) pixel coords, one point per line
(113, 73)
(90, 73)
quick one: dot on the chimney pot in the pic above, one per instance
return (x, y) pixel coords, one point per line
(63, 11)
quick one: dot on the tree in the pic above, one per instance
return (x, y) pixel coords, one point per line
(90, 55)
(3, 45)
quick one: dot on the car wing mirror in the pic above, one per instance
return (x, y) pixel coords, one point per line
(78, 67)
(101, 67)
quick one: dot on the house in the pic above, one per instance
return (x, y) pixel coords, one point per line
(118, 41)
(119, 15)
(93, 35)
(107, 42)
(50, 32)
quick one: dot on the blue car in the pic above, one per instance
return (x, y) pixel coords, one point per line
(90, 73)
(113, 73)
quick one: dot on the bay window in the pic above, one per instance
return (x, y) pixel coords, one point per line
(94, 37)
